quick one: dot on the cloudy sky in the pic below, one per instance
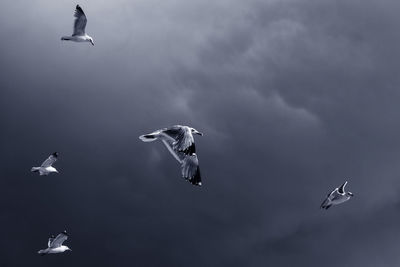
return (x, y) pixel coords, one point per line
(294, 97)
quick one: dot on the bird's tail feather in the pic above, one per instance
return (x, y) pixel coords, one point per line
(42, 252)
(35, 169)
(65, 38)
(148, 137)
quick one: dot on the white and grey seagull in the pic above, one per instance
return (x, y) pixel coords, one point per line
(55, 244)
(180, 143)
(336, 197)
(47, 165)
(79, 34)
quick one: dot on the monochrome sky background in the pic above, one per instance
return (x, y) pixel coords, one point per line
(294, 98)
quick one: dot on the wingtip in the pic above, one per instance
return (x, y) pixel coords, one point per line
(199, 184)
(55, 154)
(79, 9)
(193, 181)
(147, 137)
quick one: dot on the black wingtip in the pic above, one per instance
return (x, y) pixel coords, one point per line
(78, 8)
(65, 232)
(341, 188)
(196, 179)
(55, 154)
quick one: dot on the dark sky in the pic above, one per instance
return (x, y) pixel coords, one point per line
(294, 97)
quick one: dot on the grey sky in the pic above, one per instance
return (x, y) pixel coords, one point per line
(294, 97)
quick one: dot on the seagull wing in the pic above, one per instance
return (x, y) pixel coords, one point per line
(325, 203)
(50, 160)
(191, 170)
(341, 188)
(80, 21)
(183, 139)
(328, 199)
(59, 240)
(51, 239)
(177, 155)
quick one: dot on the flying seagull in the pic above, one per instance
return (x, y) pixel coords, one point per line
(46, 166)
(79, 34)
(55, 244)
(180, 143)
(336, 197)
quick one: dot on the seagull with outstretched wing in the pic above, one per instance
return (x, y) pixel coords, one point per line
(47, 165)
(79, 34)
(336, 197)
(180, 143)
(55, 244)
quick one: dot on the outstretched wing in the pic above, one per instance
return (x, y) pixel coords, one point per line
(59, 240)
(183, 139)
(191, 170)
(50, 160)
(341, 188)
(80, 21)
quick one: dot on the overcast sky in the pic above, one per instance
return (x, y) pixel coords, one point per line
(294, 98)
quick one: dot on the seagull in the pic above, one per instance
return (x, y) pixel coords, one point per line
(79, 34)
(336, 197)
(180, 143)
(55, 244)
(46, 166)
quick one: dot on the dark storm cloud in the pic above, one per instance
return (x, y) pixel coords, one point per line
(293, 97)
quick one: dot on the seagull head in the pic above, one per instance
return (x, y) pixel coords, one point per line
(68, 249)
(350, 194)
(194, 131)
(91, 40)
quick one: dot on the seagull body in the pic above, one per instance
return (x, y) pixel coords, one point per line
(79, 34)
(180, 143)
(55, 244)
(336, 197)
(77, 38)
(46, 168)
